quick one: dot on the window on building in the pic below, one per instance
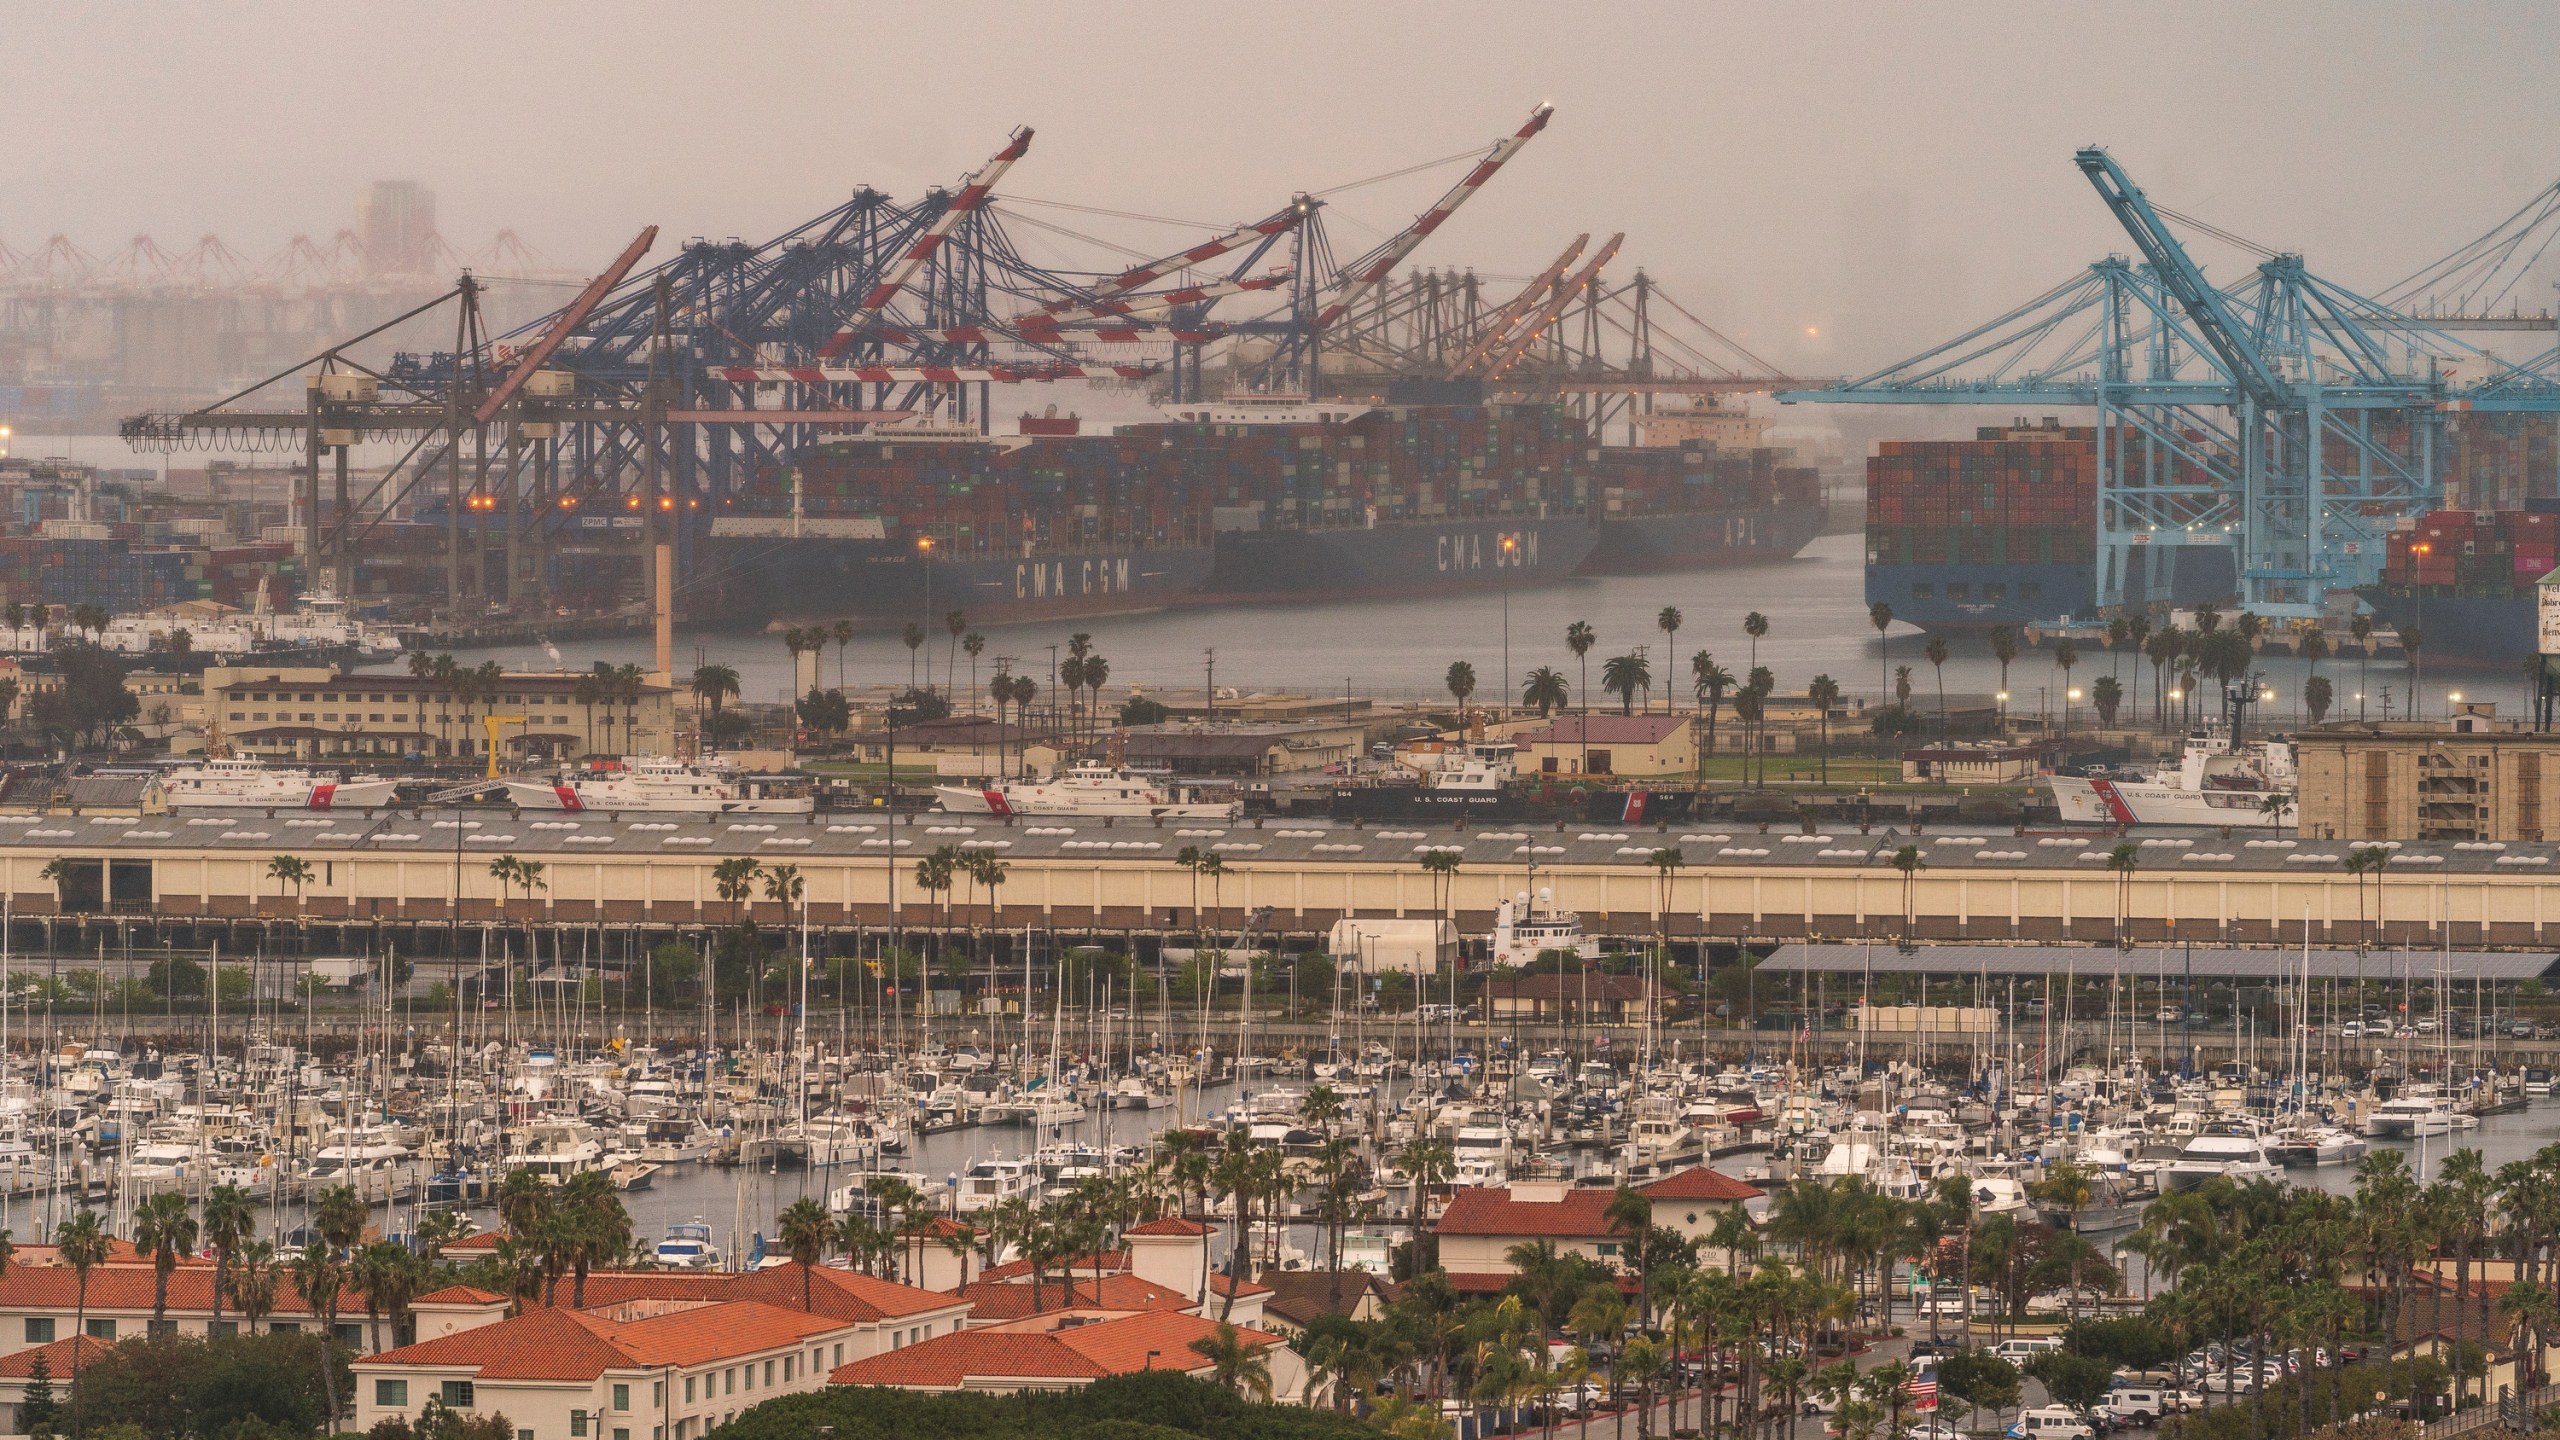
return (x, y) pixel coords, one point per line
(221, 1329)
(787, 1362)
(351, 1334)
(102, 1329)
(839, 1352)
(158, 1328)
(391, 1394)
(284, 1327)
(688, 1389)
(40, 1330)
(620, 1433)
(621, 1397)
(658, 1392)
(456, 1394)
(768, 1374)
(578, 1424)
(307, 697)
(524, 1435)
(236, 715)
(729, 1381)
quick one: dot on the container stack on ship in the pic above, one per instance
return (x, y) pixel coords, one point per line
(1238, 501)
(2002, 530)
(2464, 579)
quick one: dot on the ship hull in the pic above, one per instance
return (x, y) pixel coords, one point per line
(1659, 544)
(2137, 802)
(2467, 631)
(1394, 561)
(799, 580)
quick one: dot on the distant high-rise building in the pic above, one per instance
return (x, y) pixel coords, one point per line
(396, 219)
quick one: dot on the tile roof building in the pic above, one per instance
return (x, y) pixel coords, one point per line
(653, 1355)
(1009, 1359)
(1480, 1225)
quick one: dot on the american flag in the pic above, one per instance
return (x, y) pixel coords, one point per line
(1923, 1389)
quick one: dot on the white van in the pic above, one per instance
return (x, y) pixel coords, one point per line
(2138, 1406)
(2022, 1350)
(2051, 1422)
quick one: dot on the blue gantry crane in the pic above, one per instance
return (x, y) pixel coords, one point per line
(2284, 419)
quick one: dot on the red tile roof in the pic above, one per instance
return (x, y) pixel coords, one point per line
(57, 1358)
(946, 1362)
(583, 1344)
(1169, 1225)
(1700, 1183)
(130, 1288)
(844, 1294)
(1020, 1270)
(463, 1295)
(1159, 1340)
(1492, 1212)
(1221, 1284)
(1012, 1300)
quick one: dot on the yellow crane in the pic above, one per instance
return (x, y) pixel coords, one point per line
(495, 725)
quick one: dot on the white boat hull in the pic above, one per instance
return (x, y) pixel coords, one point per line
(964, 800)
(2148, 802)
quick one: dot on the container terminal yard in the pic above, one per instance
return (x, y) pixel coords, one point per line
(1014, 952)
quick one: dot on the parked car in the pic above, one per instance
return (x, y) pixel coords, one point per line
(2025, 1348)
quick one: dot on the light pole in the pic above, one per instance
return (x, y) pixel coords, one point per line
(2070, 698)
(924, 547)
(1510, 553)
(2003, 700)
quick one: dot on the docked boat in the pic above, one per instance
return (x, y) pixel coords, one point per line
(242, 781)
(688, 1246)
(2316, 1145)
(2410, 1115)
(2223, 1149)
(990, 1183)
(1085, 788)
(2212, 785)
(653, 782)
(1526, 927)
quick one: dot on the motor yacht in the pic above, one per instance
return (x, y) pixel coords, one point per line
(990, 1183)
(2229, 1149)
(688, 1246)
(2410, 1115)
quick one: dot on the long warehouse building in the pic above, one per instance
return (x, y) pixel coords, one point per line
(1728, 883)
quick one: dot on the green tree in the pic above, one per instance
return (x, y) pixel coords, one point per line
(804, 1233)
(294, 871)
(1623, 676)
(165, 1229)
(81, 1243)
(1824, 693)
(711, 685)
(1461, 681)
(1545, 688)
(1579, 637)
(1711, 680)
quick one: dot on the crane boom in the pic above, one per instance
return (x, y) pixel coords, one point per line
(973, 195)
(570, 319)
(1518, 305)
(1366, 272)
(2205, 305)
(1527, 332)
(1281, 221)
(1049, 320)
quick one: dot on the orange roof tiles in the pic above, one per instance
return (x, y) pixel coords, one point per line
(583, 1344)
(461, 1295)
(57, 1358)
(1106, 1261)
(1578, 1216)
(1001, 1300)
(1169, 1225)
(1700, 1183)
(1159, 1340)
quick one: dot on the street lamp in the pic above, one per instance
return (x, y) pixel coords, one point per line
(2178, 697)
(1510, 553)
(2003, 699)
(924, 547)
(2070, 698)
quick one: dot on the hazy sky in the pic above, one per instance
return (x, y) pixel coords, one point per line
(1884, 174)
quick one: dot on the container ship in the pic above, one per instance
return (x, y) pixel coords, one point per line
(1236, 501)
(2465, 580)
(2002, 530)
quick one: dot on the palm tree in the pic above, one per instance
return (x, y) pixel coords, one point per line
(1579, 637)
(81, 1243)
(1233, 1364)
(1755, 625)
(1461, 681)
(252, 1283)
(1712, 680)
(2411, 640)
(1908, 862)
(2162, 650)
(228, 1223)
(805, 1231)
(165, 1229)
(2122, 861)
(2004, 648)
(321, 1276)
(2106, 695)
(735, 881)
(1824, 692)
(840, 632)
(957, 622)
(1936, 653)
(974, 645)
(1442, 867)
(2066, 655)
(1880, 615)
(712, 684)
(294, 871)
(1623, 676)
(1545, 688)
(2318, 696)
(1747, 708)
(1668, 622)
(913, 638)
